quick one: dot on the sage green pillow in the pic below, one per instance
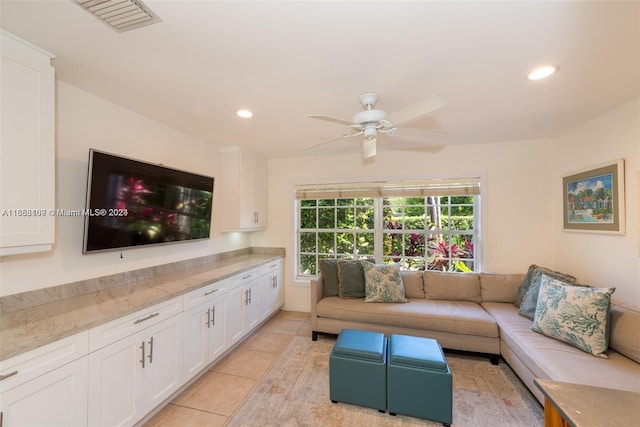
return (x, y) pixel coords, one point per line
(383, 283)
(530, 301)
(350, 279)
(575, 315)
(528, 279)
(329, 272)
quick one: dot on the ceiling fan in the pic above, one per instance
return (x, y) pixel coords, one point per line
(371, 122)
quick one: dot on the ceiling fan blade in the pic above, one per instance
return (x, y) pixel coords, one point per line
(419, 135)
(413, 111)
(330, 119)
(326, 141)
(369, 147)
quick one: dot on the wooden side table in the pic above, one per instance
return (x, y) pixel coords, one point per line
(577, 405)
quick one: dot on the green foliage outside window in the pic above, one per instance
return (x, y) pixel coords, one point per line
(435, 233)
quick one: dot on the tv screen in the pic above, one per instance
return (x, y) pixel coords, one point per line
(134, 203)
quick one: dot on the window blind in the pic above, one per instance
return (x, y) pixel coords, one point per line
(419, 188)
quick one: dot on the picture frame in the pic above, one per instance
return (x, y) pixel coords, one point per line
(593, 199)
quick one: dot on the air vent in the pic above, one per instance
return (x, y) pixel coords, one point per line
(121, 15)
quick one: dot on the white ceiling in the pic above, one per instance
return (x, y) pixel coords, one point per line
(286, 60)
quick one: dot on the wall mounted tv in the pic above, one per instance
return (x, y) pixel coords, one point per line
(131, 203)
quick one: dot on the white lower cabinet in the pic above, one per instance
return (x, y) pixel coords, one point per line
(270, 289)
(204, 332)
(130, 377)
(57, 398)
(243, 308)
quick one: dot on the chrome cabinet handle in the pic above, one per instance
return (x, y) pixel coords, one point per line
(151, 350)
(146, 318)
(211, 292)
(208, 318)
(142, 360)
(10, 374)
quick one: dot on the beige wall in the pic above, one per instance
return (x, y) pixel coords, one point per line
(603, 259)
(84, 121)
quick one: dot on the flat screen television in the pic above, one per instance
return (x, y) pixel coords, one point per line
(131, 203)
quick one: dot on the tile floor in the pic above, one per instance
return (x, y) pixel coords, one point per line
(238, 374)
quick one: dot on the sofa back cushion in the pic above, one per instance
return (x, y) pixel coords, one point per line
(500, 287)
(413, 284)
(623, 336)
(351, 282)
(329, 272)
(452, 286)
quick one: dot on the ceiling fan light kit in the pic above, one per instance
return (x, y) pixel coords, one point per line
(369, 122)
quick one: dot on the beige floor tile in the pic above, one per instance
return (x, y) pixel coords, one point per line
(158, 418)
(305, 330)
(283, 326)
(292, 315)
(269, 342)
(218, 393)
(181, 417)
(247, 363)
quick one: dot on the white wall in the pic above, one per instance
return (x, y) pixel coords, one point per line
(517, 206)
(84, 121)
(603, 259)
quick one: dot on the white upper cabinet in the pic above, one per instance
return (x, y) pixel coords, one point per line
(242, 186)
(27, 147)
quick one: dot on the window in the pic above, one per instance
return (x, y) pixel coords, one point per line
(426, 225)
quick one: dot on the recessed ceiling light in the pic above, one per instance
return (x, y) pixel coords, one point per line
(245, 114)
(542, 72)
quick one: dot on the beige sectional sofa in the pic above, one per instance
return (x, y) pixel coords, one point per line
(476, 313)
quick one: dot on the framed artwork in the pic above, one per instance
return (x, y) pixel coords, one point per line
(593, 199)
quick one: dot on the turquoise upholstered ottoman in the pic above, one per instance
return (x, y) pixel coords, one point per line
(358, 369)
(418, 379)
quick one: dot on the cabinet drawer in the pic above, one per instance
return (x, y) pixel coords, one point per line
(27, 366)
(244, 277)
(270, 267)
(115, 330)
(204, 294)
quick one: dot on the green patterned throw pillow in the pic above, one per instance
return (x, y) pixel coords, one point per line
(383, 283)
(575, 315)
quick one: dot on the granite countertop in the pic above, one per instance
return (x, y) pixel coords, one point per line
(587, 406)
(30, 328)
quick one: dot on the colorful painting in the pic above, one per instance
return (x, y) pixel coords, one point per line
(594, 199)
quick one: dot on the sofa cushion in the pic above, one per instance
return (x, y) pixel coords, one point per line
(530, 301)
(531, 273)
(624, 324)
(439, 285)
(329, 271)
(383, 283)
(460, 317)
(552, 359)
(413, 284)
(575, 315)
(350, 279)
(500, 287)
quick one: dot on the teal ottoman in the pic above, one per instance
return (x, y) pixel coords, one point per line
(418, 379)
(358, 369)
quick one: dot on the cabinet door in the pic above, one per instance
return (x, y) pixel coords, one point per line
(252, 306)
(116, 382)
(58, 398)
(27, 148)
(265, 295)
(162, 369)
(195, 341)
(235, 314)
(216, 341)
(276, 289)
